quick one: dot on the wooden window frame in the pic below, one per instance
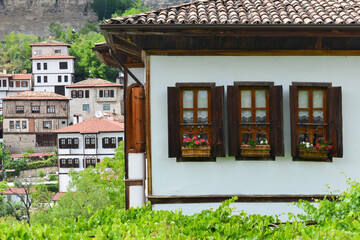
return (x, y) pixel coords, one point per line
(45, 79)
(19, 109)
(24, 124)
(332, 118)
(101, 93)
(17, 84)
(45, 140)
(11, 125)
(111, 93)
(66, 78)
(59, 78)
(11, 83)
(45, 66)
(38, 66)
(51, 109)
(90, 142)
(38, 80)
(87, 94)
(62, 143)
(45, 123)
(24, 83)
(17, 125)
(74, 94)
(63, 65)
(215, 121)
(4, 83)
(80, 94)
(106, 93)
(35, 109)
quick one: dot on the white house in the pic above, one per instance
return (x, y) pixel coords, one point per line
(53, 68)
(95, 95)
(85, 144)
(234, 71)
(13, 83)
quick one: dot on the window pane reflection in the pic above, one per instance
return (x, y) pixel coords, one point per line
(303, 99)
(202, 116)
(260, 116)
(260, 98)
(318, 100)
(246, 138)
(318, 116)
(245, 116)
(303, 116)
(246, 99)
(188, 116)
(188, 97)
(202, 99)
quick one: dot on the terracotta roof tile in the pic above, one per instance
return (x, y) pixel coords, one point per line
(94, 125)
(21, 76)
(36, 95)
(250, 12)
(52, 56)
(94, 82)
(12, 191)
(49, 42)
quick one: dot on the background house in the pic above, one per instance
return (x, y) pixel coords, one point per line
(52, 67)
(30, 117)
(285, 71)
(94, 95)
(85, 144)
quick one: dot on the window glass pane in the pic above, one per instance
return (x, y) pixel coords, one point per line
(245, 138)
(260, 98)
(318, 116)
(303, 98)
(318, 100)
(246, 99)
(260, 136)
(260, 116)
(303, 116)
(246, 116)
(188, 116)
(202, 116)
(303, 137)
(188, 97)
(318, 136)
(202, 99)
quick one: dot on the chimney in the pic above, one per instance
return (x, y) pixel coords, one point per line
(75, 119)
(4, 71)
(80, 118)
(12, 72)
(24, 71)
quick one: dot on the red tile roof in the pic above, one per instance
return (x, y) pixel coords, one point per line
(246, 12)
(49, 42)
(5, 75)
(94, 82)
(21, 76)
(11, 191)
(36, 95)
(58, 195)
(94, 125)
(52, 56)
(33, 155)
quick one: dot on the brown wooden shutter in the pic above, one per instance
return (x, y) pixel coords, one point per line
(217, 122)
(334, 116)
(276, 120)
(233, 120)
(103, 143)
(293, 119)
(174, 121)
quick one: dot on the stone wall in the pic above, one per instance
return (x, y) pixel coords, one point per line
(34, 16)
(34, 173)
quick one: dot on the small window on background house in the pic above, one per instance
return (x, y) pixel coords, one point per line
(315, 116)
(113, 142)
(106, 106)
(63, 65)
(86, 107)
(47, 124)
(59, 78)
(11, 83)
(101, 93)
(86, 93)
(45, 79)
(58, 51)
(19, 109)
(69, 142)
(111, 93)
(75, 144)
(45, 66)
(24, 124)
(11, 124)
(66, 78)
(73, 93)
(106, 93)
(50, 109)
(196, 110)
(35, 109)
(4, 83)
(38, 52)
(17, 124)
(76, 163)
(39, 79)
(80, 94)
(62, 143)
(17, 84)
(0, 83)
(38, 65)
(63, 163)
(106, 142)
(24, 83)
(90, 142)
(63, 122)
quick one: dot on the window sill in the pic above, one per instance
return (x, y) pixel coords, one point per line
(196, 159)
(255, 158)
(312, 160)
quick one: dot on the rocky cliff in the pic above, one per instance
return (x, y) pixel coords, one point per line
(155, 4)
(34, 16)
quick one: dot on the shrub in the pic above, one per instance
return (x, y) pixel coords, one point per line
(41, 173)
(53, 177)
(53, 188)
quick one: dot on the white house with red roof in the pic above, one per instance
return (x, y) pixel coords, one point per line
(52, 66)
(94, 95)
(85, 144)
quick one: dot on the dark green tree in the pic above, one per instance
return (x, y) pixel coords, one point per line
(104, 8)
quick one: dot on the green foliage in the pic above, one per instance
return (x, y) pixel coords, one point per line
(9, 163)
(136, 8)
(53, 188)
(253, 143)
(104, 8)
(41, 173)
(15, 52)
(53, 177)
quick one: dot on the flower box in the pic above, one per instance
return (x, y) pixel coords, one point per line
(196, 152)
(313, 154)
(257, 151)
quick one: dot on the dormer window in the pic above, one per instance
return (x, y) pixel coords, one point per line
(57, 51)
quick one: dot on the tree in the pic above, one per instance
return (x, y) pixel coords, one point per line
(136, 8)
(104, 8)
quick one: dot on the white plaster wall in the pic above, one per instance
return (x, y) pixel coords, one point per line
(228, 176)
(136, 196)
(136, 166)
(49, 50)
(139, 73)
(53, 65)
(64, 181)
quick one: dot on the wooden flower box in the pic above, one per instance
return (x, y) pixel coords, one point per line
(257, 151)
(196, 152)
(313, 154)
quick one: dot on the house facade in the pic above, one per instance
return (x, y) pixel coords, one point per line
(13, 83)
(95, 95)
(29, 119)
(281, 73)
(85, 144)
(53, 68)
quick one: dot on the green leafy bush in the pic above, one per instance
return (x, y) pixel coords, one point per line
(53, 188)
(53, 177)
(41, 173)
